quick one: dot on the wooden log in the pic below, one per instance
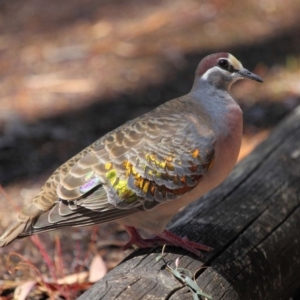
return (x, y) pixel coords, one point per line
(252, 221)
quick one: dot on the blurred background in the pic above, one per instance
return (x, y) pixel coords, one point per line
(70, 71)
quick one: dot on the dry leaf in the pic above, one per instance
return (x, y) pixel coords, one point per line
(23, 290)
(74, 278)
(98, 269)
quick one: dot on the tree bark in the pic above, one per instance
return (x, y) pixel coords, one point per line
(252, 220)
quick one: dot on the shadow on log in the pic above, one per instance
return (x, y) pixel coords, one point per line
(252, 221)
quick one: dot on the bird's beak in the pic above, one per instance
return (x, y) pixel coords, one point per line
(247, 74)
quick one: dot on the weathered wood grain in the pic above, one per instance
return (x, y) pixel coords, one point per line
(253, 222)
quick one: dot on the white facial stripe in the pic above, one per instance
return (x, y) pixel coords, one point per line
(206, 74)
(234, 62)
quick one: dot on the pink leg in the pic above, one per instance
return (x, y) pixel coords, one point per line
(137, 240)
(183, 243)
(165, 238)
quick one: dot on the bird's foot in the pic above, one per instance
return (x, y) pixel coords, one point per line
(172, 239)
(164, 238)
(137, 240)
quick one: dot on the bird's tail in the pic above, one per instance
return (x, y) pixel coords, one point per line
(33, 220)
(12, 232)
(22, 227)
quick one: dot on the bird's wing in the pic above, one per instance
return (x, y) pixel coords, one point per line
(146, 162)
(150, 160)
(155, 158)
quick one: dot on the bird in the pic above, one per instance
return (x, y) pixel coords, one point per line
(143, 172)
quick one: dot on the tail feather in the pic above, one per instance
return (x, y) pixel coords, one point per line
(22, 226)
(12, 233)
(33, 220)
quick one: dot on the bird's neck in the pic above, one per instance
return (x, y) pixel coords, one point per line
(218, 104)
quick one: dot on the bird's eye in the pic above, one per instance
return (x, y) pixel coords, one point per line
(223, 63)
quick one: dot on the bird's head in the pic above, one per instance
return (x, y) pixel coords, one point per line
(222, 69)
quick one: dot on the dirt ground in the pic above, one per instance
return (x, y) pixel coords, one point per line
(70, 71)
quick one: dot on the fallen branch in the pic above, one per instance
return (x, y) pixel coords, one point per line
(253, 223)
